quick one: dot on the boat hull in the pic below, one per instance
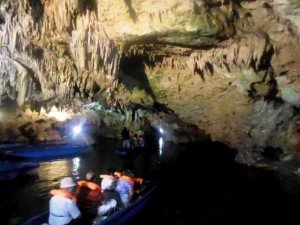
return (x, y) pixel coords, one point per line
(59, 151)
(10, 170)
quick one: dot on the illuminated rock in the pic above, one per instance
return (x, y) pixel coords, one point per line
(231, 70)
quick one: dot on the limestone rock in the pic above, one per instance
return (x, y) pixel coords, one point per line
(229, 69)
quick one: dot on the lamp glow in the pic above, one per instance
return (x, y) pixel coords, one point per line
(77, 129)
(161, 130)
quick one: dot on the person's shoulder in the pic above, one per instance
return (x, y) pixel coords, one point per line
(127, 183)
(61, 199)
(58, 200)
(70, 202)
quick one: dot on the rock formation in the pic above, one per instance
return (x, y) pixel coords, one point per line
(227, 68)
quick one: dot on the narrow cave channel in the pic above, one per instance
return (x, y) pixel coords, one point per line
(199, 184)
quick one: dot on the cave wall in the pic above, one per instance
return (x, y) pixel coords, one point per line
(229, 67)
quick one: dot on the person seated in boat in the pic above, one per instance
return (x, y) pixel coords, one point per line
(108, 182)
(108, 186)
(125, 185)
(126, 138)
(89, 196)
(91, 200)
(62, 206)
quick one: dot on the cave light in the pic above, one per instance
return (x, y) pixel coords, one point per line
(77, 129)
(62, 115)
(161, 130)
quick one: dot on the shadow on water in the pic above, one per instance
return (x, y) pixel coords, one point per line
(203, 185)
(199, 184)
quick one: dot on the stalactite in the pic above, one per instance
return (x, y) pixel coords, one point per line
(69, 47)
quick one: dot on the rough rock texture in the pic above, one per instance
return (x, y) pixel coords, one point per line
(232, 68)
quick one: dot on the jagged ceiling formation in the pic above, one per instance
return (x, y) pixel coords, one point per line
(229, 67)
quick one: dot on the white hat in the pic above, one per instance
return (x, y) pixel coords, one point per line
(67, 182)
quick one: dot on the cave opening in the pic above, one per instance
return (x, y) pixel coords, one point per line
(90, 5)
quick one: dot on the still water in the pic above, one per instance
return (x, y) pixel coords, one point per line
(199, 184)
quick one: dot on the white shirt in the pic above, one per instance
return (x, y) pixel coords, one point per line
(62, 210)
(107, 184)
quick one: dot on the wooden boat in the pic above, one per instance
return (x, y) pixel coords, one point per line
(12, 170)
(47, 152)
(117, 218)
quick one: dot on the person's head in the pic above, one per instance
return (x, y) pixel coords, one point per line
(90, 176)
(110, 171)
(127, 173)
(68, 184)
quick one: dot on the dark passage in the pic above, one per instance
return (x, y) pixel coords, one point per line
(133, 75)
(204, 186)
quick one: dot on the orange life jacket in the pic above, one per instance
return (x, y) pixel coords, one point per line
(63, 193)
(129, 179)
(89, 197)
(90, 185)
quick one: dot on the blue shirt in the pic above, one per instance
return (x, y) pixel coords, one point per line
(124, 188)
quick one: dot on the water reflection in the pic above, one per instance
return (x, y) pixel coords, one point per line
(160, 146)
(54, 170)
(76, 166)
(50, 174)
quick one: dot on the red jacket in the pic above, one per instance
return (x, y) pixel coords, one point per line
(89, 197)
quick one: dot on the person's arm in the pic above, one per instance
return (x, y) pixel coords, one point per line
(131, 192)
(73, 210)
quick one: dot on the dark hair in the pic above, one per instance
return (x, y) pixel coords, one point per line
(128, 173)
(110, 171)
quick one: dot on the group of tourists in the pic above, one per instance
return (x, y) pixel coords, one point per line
(82, 202)
(132, 143)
